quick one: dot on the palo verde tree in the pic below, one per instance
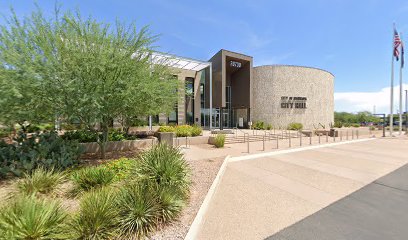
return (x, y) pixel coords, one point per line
(84, 69)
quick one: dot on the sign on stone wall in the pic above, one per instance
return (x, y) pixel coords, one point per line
(293, 102)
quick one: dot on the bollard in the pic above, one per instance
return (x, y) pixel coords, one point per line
(341, 136)
(248, 143)
(290, 142)
(277, 142)
(186, 142)
(334, 136)
(300, 139)
(310, 139)
(357, 133)
(352, 134)
(319, 138)
(263, 146)
(327, 136)
(347, 135)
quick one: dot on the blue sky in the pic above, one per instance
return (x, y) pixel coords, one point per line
(351, 39)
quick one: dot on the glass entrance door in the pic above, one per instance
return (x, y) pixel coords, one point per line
(216, 118)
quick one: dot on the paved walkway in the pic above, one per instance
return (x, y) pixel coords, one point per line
(259, 197)
(376, 212)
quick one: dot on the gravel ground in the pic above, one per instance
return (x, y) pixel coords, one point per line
(204, 172)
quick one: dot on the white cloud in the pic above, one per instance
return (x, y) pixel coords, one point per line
(365, 101)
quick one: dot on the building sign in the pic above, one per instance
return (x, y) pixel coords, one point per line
(235, 64)
(293, 102)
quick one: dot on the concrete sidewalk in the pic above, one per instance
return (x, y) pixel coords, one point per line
(377, 211)
(257, 198)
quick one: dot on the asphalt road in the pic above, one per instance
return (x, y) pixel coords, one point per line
(377, 211)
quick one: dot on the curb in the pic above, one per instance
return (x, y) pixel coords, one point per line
(268, 154)
(192, 232)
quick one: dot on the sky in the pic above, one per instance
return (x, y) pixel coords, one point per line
(351, 39)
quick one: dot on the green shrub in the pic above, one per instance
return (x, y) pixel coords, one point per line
(89, 178)
(347, 124)
(170, 202)
(166, 129)
(372, 128)
(30, 218)
(338, 124)
(121, 168)
(268, 126)
(165, 165)
(196, 130)
(138, 209)
(83, 136)
(295, 126)
(116, 135)
(356, 125)
(33, 128)
(259, 125)
(4, 132)
(40, 181)
(46, 150)
(139, 123)
(219, 140)
(184, 131)
(97, 217)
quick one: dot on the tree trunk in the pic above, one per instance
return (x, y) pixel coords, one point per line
(103, 139)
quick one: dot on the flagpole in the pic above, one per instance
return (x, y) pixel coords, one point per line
(400, 100)
(392, 83)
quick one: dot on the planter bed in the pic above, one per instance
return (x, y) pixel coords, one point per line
(119, 146)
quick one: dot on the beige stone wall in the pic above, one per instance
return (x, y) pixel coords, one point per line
(270, 83)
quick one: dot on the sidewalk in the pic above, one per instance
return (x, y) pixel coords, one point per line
(257, 198)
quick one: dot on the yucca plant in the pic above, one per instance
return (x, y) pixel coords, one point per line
(97, 217)
(138, 208)
(27, 217)
(171, 203)
(89, 178)
(40, 181)
(166, 166)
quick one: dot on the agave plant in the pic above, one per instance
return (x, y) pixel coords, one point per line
(41, 181)
(89, 178)
(139, 210)
(171, 203)
(27, 217)
(166, 166)
(97, 217)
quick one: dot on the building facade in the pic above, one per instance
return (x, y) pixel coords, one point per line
(227, 91)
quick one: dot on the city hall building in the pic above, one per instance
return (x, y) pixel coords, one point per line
(228, 91)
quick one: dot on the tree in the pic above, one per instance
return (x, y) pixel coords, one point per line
(87, 70)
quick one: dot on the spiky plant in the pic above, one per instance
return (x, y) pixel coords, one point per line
(138, 208)
(40, 181)
(89, 178)
(97, 216)
(27, 217)
(171, 203)
(166, 166)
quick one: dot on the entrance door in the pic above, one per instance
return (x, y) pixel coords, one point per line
(216, 118)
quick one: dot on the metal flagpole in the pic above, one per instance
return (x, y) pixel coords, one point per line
(391, 124)
(392, 83)
(400, 99)
(406, 111)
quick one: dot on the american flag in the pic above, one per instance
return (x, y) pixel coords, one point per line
(397, 43)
